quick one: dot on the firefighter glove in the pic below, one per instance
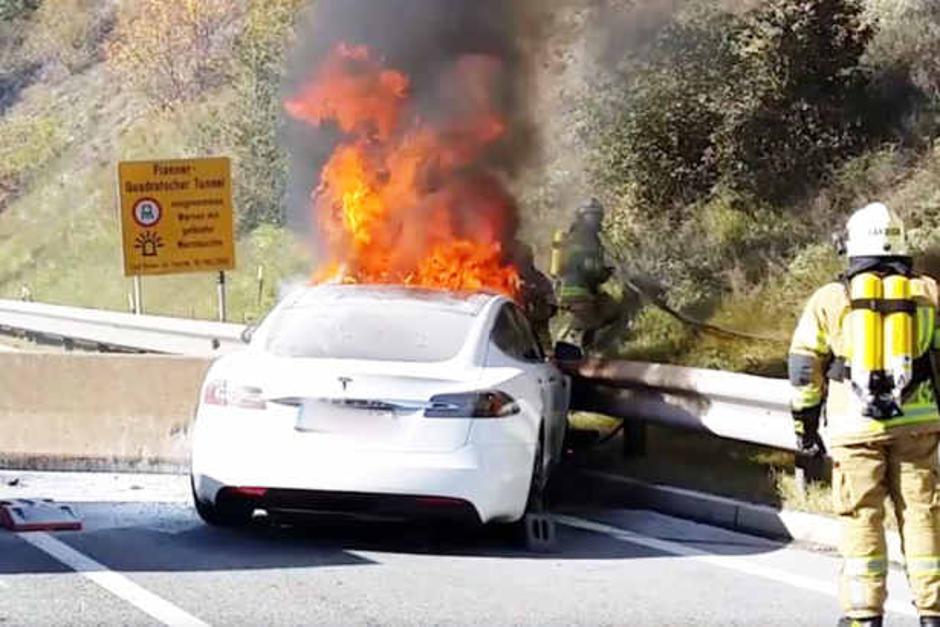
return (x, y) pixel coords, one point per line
(806, 425)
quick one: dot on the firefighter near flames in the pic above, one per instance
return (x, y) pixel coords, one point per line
(580, 268)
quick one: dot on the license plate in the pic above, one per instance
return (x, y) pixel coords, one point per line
(333, 417)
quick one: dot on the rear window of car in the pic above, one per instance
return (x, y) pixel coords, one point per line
(371, 331)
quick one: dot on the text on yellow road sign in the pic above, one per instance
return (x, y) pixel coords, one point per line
(176, 216)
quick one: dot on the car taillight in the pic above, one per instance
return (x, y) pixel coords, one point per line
(485, 404)
(228, 395)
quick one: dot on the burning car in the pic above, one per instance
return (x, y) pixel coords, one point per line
(382, 402)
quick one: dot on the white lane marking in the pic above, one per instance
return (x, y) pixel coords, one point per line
(118, 585)
(739, 563)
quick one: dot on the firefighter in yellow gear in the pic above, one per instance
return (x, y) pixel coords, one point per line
(579, 265)
(864, 346)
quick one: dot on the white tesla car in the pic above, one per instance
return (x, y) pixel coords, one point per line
(380, 402)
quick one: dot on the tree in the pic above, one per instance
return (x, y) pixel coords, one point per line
(172, 49)
(248, 121)
(658, 145)
(801, 105)
(68, 33)
(262, 167)
(13, 9)
(762, 102)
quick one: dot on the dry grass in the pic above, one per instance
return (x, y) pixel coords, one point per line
(705, 463)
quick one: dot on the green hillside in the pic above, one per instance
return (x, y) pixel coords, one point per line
(731, 140)
(80, 92)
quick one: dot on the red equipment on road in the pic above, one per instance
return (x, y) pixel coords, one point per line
(38, 515)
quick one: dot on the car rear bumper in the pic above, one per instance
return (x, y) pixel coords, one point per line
(493, 479)
(358, 505)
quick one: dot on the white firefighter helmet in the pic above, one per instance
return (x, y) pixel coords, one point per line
(876, 231)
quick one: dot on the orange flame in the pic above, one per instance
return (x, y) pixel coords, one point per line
(403, 198)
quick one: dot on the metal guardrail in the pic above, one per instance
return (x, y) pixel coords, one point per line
(116, 330)
(736, 406)
(730, 405)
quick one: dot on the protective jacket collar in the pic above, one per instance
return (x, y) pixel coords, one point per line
(879, 265)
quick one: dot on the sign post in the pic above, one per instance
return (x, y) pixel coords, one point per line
(176, 217)
(221, 289)
(138, 303)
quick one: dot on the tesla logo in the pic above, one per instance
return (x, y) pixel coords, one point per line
(345, 381)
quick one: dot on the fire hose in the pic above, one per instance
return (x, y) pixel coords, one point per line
(704, 327)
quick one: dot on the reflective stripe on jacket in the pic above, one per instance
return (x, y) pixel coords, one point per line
(823, 335)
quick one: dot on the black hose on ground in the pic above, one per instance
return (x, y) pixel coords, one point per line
(705, 327)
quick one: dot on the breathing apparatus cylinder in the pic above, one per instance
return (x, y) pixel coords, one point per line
(898, 335)
(866, 356)
(556, 261)
(881, 351)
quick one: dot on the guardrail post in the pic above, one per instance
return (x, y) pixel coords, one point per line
(138, 298)
(220, 286)
(809, 470)
(634, 438)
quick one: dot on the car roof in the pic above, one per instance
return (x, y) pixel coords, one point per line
(469, 303)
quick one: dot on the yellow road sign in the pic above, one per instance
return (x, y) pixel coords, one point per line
(176, 216)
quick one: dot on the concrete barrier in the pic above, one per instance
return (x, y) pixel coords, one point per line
(102, 412)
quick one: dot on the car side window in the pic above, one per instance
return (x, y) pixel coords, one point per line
(532, 350)
(505, 336)
(513, 336)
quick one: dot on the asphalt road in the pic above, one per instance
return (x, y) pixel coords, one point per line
(144, 558)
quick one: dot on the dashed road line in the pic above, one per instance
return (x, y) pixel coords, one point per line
(118, 585)
(738, 563)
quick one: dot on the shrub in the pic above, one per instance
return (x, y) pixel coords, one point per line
(16, 70)
(763, 101)
(908, 41)
(798, 107)
(656, 336)
(734, 117)
(248, 122)
(256, 123)
(657, 145)
(68, 32)
(14, 9)
(27, 142)
(172, 50)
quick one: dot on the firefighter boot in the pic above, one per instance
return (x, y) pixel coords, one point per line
(873, 621)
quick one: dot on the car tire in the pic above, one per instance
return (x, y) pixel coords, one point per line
(229, 513)
(519, 532)
(516, 530)
(539, 481)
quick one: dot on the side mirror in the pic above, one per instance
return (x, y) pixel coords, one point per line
(248, 332)
(566, 351)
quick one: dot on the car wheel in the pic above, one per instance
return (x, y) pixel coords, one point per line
(539, 477)
(534, 529)
(534, 499)
(230, 512)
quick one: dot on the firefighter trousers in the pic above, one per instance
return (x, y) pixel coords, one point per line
(586, 316)
(905, 470)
